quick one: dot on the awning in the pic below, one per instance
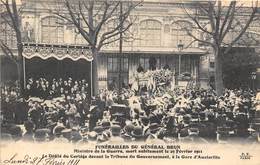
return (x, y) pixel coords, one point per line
(60, 52)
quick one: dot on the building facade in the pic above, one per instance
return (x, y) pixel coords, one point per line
(157, 37)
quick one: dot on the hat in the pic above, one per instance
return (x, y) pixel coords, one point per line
(181, 111)
(251, 130)
(77, 115)
(66, 131)
(6, 137)
(15, 131)
(144, 118)
(154, 127)
(58, 129)
(137, 132)
(187, 117)
(92, 136)
(129, 128)
(166, 95)
(194, 130)
(194, 115)
(40, 134)
(118, 114)
(223, 130)
(184, 133)
(105, 124)
(115, 129)
(115, 122)
(28, 125)
(93, 107)
(34, 99)
(202, 116)
(98, 129)
(75, 136)
(154, 118)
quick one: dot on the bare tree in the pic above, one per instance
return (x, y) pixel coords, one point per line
(222, 20)
(90, 17)
(11, 15)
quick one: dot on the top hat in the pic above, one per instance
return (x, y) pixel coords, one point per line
(92, 136)
(187, 117)
(15, 131)
(75, 136)
(58, 129)
(40, 134)
(129, 128)
(105, 124)
(98, 129)
(154, 127)
(28, 125)
(115, 129)
(137, 132)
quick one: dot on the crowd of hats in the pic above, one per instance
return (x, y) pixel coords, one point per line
(48, 89)
(121, 116)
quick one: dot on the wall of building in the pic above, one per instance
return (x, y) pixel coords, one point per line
(147, 16)
(155, 30)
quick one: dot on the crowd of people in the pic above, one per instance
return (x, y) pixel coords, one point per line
(61, 111)
(48, 89)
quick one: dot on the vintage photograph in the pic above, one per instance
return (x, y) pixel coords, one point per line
(119, 71)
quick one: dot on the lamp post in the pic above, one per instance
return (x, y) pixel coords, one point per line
(180, 48)
(120, 47)
(253, 77)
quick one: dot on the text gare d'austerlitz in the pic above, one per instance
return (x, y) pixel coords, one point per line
(116, 150)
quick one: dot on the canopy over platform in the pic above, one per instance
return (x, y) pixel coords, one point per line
(60, 52)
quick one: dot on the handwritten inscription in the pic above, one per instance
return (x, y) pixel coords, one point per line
(245, 156)
(43, 160)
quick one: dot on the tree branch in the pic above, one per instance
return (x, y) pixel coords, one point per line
(8, 22)
(83, 32)
(109, 42)
(83, 16)
(113, 35)
(211, 19)
(226, 17)
(7, 51)
(243, 29)
(196, 21)
(231, 19)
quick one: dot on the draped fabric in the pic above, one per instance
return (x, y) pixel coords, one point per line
(60, 53)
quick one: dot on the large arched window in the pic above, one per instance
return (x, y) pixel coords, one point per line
(179, 33)
(110, 26)
(52, 30)
(150, 33)
(8, 35)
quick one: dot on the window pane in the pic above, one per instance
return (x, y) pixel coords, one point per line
(180, 36)
(109, 64)
(125, 64)
(52, 30)
(115, 64)
(8, 35)
(150, 33)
